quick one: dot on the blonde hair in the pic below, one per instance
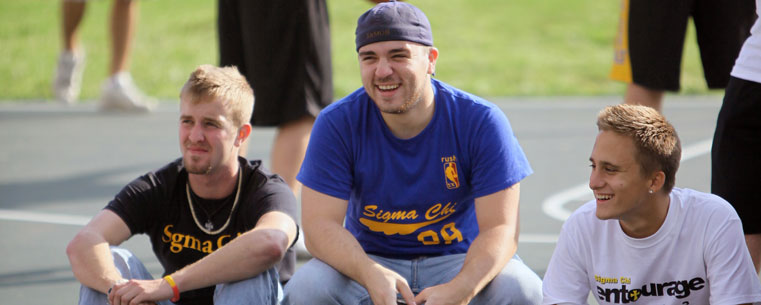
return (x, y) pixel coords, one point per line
(658, 145)
(226, 84)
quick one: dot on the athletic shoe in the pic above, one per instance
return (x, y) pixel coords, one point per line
(68, 76)
(119, 93)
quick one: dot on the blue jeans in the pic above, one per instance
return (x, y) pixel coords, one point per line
(261, 289)
(318, 283)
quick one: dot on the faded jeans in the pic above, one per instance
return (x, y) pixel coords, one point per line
(318, 283)
(261, 289)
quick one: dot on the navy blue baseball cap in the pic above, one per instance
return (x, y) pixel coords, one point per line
(393, 20)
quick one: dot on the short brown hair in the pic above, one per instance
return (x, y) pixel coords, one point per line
(658, 145)
(224, 83)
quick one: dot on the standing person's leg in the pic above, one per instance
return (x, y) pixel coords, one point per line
(640, 95)
(72, 12)
(119, 90)
(734, 158)
(68, 76)
(123, 18)
(648, 49)
(289, 148)
(754, 247)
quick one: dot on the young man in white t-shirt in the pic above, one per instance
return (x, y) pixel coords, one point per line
(642, 240)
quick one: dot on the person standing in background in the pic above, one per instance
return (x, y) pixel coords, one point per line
(283, 49)
(736, 151)
(648, 49)
(119, 91)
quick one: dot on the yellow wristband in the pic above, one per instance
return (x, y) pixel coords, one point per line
(175, 290)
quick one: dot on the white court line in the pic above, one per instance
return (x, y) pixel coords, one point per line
(58, 219)
(554, 205)
(74, 220)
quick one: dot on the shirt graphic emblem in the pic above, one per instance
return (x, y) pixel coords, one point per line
(450, 175)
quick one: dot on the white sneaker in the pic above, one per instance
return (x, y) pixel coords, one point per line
(120, 93)
(68, 76)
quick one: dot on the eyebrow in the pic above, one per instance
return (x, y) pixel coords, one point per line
(605, 163)
(364, 53)
(392, 51)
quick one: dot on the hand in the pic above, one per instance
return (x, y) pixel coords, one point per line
(444, 294)
(139, 292)
(383, 284)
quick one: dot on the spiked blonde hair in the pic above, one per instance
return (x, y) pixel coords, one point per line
(208, 82)
(658, 145)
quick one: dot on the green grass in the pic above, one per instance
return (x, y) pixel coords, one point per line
(487, 47)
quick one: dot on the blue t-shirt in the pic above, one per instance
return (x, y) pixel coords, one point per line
(413, 197)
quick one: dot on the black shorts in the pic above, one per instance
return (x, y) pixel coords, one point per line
(736, 152)
(283, 49)
(651, 37)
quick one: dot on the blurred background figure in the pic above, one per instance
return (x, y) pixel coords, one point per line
(283, 49)
(118, 91)
(648, 49)
(735, 161)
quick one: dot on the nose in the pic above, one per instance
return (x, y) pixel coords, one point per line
(383, 69)
(595, 182)
(196, 133)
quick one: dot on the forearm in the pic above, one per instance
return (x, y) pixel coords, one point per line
(91, 261)
(486, 257)
(244, 257)
(336, 246)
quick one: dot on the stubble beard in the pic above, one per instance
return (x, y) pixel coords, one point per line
(191, 168)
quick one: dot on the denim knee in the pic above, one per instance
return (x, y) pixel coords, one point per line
(317, 283)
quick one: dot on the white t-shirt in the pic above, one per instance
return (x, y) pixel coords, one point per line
(698, 256)
(748, 63)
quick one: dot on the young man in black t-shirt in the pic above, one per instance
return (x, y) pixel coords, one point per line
(221, 226)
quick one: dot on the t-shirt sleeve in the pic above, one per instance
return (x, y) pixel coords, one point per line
(498, 159)
(566, 280)
(135, 203)
(327, 164)
(276, 196)
(732, 279)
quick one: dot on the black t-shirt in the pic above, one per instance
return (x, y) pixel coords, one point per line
(156, 204)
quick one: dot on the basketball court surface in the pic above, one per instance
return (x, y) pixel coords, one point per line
(60, 165)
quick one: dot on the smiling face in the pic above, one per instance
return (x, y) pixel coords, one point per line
(208, 138)
(395, 74)
(619, 185)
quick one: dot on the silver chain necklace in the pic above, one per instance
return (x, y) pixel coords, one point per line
(208, 226)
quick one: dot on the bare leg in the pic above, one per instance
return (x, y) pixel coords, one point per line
(639, 95)
(72, 11)
(123, 17)
(754, 246)
(289, 149)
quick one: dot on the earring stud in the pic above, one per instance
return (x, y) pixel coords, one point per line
(650, 191)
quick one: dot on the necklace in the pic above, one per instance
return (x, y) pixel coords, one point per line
(208, 226)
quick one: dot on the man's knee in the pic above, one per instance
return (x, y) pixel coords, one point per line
(516, 284)
(317, 283)
(261, 289)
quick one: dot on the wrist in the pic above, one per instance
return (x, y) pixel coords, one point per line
(175, 289)
(461, 290)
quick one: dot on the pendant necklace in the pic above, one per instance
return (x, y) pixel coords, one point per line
(208, 226)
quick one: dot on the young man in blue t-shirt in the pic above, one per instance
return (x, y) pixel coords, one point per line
(411, 186)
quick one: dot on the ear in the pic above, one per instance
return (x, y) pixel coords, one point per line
(657, 180)
(243, 133)
(433, 55)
